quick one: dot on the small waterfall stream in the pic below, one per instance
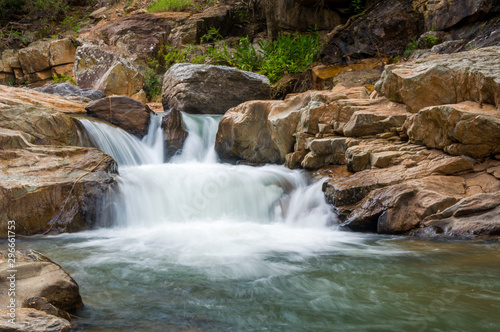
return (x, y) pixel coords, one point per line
(199, 245)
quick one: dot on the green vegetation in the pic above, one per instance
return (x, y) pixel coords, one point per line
(63, 78)
(170, 5)
(357, 6)
(431, 41)
(10, 81)
(152, 85)
(412, 46)
(288, 54)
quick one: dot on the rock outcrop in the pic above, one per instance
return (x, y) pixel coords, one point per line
(44, 290)
(174, 134)
(124, 112)
(98, 69)
(444, 79)
(37, 62)
(206, 89)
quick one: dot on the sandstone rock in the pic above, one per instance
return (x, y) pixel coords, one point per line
(39, 303)
(400, 208)
(471, 216)
(444, 79)
(101, 70)
(364, 123)
(140, 97)
(124, 112)
(40, 277)
(61, 52)
(61, 70)
(31, 320)
(6, 56)
(66, 89)
(45, 125)
(10, 96)
(206, 89)
(98, 13)
(35, 58)
(174, 134)
(220, 17)
(463, 129)
(63, 187)
(443, 15)
(135, 36)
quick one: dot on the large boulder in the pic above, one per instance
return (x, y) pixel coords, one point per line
(444, 79)
(35, 58)
(66, 89)
(38, 276)
(98, 69)
(124, 112)
(446, 14)
(206, 89)
(292, 15)
(51, 189)
(461, 129)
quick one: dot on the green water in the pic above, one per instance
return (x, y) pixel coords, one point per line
(349, 282)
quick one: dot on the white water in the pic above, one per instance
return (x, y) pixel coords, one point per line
(198, 211)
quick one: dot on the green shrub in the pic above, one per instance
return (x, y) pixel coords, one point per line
(63, 78)
(170, 5)
(431, 41)
(152, 85)
(412, 46)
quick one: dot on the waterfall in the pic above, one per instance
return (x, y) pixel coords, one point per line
(195, 187)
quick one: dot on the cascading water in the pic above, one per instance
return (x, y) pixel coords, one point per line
(204, 246)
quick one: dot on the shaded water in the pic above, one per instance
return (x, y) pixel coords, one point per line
(200, 245)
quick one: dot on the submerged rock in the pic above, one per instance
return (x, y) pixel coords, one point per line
(125, 112)
(207, 89)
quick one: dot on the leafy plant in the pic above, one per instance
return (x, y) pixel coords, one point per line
(357, 6)
(152, 85)
(212, 35)
(63, 78)
(431, 40)
(412, 46)
(10, 81)
(169, 5)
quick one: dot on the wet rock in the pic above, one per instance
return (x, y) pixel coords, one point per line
(98, 69)
(31, 320)
(471, 216)
(174, 134)
(38, 276)
(462, 129)
(124, 112)
(53, 189)
(444, 79)
(206, 89)
(41, 304)
(66, 89)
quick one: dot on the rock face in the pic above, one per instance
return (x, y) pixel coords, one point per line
(32, 320)
(445, 79)
(462, 129)
(66, 89)
(206, 89)
(292, 15)
(124, 112)
(289, 131)
(40, 277)
(39, 61)
(98, 69)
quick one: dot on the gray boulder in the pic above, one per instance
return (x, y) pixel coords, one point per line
(207, 89)
(68, 90)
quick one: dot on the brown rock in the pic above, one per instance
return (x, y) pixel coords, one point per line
(41, 304)
(66, 69)
(63, 187)
(10, 96)
(61, 52)
(444, 79)
(124, 112)
(35, 58)
(291, 15)
(174, 134)
(206, 89)
(463, 129)
(32, 320)
(101, 70)
(40, 277)
(443, 15)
